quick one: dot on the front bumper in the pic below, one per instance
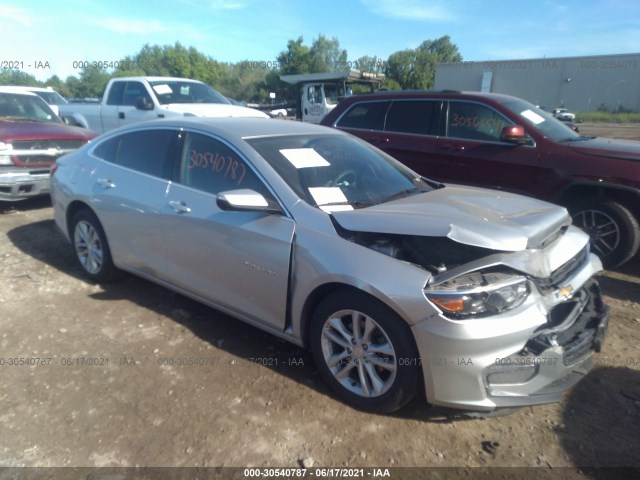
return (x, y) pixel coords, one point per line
(18, 185)
(482, 365)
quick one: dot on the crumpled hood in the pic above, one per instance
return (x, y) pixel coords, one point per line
(608, 147)
(472, 216)
(214, 110)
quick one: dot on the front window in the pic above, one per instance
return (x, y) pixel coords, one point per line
(473, 121)
(211, 166)
(179, 91)
(336, 172)
(542, 121)
(18, 107)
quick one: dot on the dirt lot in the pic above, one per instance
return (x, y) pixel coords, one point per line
(101, 393)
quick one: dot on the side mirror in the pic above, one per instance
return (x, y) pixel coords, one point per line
(144, 103)
(245, 200)
(514, 134)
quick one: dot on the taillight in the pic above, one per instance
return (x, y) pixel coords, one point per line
(53, 169)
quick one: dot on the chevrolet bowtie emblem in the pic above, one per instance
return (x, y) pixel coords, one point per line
(565, 291)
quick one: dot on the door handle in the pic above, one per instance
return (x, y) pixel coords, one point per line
(106, 183)
(180, 207)
(121, 115)
(453, 147)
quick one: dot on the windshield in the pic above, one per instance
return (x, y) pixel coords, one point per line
(15, 106)
(542, 121)
(336, 172)
(52, 98)
(177, 91)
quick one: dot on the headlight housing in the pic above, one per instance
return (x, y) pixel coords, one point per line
(479, 294)
(5, 152)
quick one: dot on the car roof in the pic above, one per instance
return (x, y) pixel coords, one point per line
(18, 90)
(158, 79)
(440, 94)
(236, 128)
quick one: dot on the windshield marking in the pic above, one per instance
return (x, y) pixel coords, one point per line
(533, 116)
(163, 89)
(304, 157)
(327, 195)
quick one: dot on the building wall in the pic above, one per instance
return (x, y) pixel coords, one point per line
(577, 83)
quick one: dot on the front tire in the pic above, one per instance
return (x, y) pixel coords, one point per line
(364, 352)
(614, 231)
(91, 247)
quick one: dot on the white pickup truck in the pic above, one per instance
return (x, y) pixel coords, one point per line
(135, 99)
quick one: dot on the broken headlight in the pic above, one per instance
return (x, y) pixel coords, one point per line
(479, 294)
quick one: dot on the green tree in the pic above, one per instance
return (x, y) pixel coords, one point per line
(18, 77)
(325, 55)
(172, 61)
(93, 81)
(370, 64)
(416, 68)
(295, 59)
(401, 67)
(58, 85)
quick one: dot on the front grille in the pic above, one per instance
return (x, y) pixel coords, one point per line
(62, 144)
(564, 272)
(44, 151)
(577, 323)
(36, 159)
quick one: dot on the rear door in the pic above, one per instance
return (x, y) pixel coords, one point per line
(129, 189)
(410, 132)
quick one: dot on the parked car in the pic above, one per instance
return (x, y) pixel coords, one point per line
(278, 112)
(128, 100)
(564, 114)
(396, 283)
(31, 138)
(49, 95)
(503, 142)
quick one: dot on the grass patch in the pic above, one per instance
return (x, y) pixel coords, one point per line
(606, 117)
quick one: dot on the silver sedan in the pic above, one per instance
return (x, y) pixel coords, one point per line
(477, 299)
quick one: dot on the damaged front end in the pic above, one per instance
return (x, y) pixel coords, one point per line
(511, 328)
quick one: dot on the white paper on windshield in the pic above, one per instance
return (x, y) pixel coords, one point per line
(327, 195)
(162, 89)
(304, 157)
(533, 116)
(336, 208)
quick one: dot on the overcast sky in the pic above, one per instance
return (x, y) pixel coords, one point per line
(35, 33)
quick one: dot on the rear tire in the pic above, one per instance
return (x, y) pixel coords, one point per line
(91, 247)
(364, 352)
(614, 231)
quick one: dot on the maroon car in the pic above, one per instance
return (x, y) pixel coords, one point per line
(31, 138)
(503, 142)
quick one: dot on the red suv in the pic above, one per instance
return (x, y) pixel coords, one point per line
(31, 138)
(503, 142)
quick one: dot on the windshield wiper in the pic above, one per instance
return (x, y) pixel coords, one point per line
(353, 204)
(403, 193)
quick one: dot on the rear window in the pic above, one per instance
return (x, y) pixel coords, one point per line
(365, 116)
